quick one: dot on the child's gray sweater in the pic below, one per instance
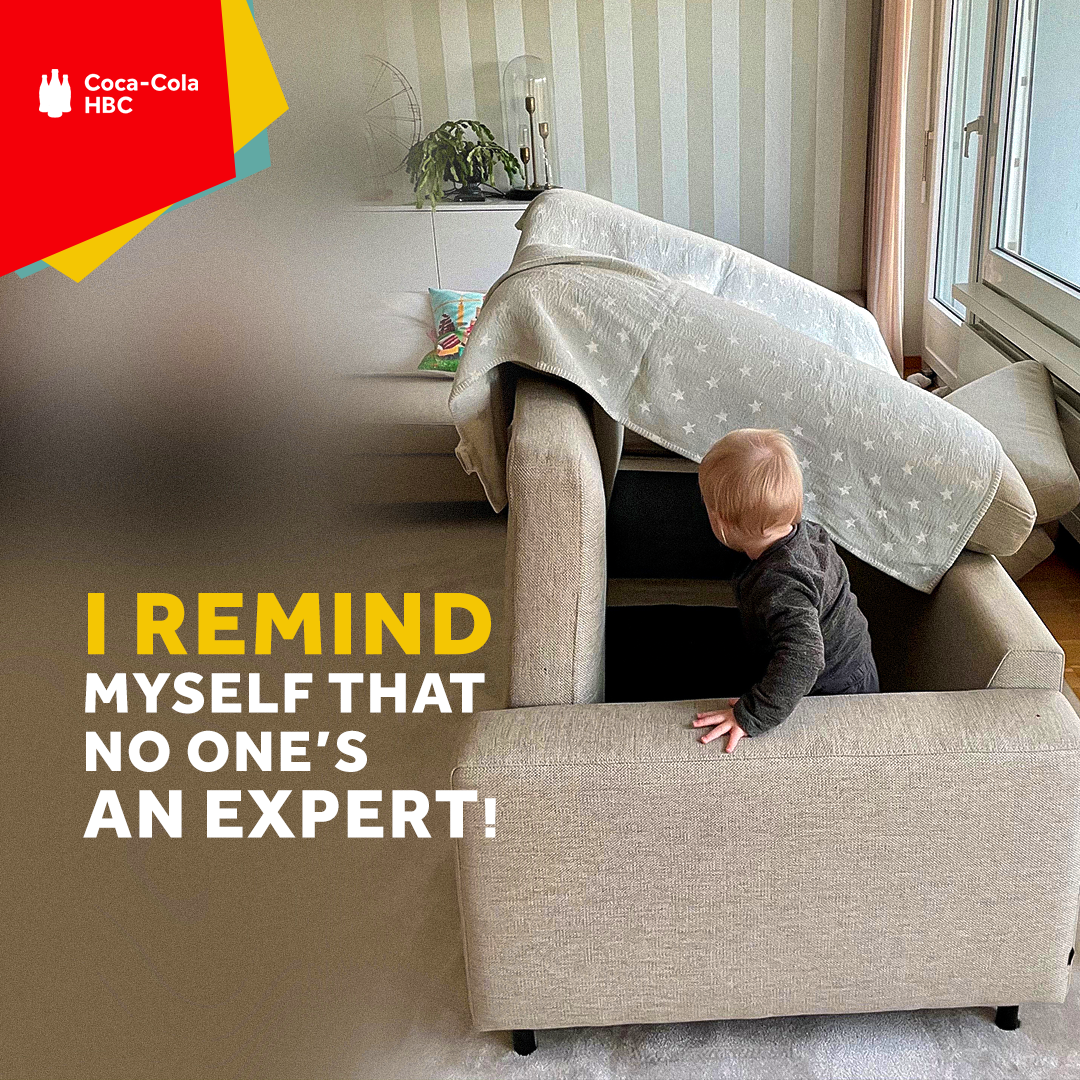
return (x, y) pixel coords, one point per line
(803, 624)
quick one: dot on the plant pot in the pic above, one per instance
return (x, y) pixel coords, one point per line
(469, 193)
(524, 194)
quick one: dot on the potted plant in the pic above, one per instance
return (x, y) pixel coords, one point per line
(449, 154)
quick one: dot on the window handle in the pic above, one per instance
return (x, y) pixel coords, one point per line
(972, 127)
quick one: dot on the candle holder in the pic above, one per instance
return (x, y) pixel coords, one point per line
(545, 130)
(529, 113)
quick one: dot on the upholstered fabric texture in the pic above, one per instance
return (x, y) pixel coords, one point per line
(978, 630)
(876, 852)
(1017, 404)
(975, 631)
(556, 559)
(417, 398)
(1009, 518)
(1037, 547)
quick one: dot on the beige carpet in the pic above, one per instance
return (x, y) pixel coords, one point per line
(311, 958)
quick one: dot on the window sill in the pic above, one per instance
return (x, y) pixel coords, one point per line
(1059, 355)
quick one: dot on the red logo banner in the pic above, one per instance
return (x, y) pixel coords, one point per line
(111, 111)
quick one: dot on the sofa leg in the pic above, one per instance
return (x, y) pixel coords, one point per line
(524, 1041)
(1007, 1017)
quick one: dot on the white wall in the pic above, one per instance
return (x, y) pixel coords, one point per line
(743, 119)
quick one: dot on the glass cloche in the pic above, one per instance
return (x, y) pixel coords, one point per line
(528, 108)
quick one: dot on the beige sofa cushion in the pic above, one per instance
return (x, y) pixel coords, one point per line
(384, 403)
(1037, 547)
(399, 331)
(397, 399)
(398, 440)
(1009, 519)
(398, 414)
(1017, 404)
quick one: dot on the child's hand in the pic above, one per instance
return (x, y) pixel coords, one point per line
(722, 722)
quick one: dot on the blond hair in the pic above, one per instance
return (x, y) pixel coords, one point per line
(751, 480)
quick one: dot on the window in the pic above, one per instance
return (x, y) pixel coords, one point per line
(1031, 246)
(1005, 227)
(957, 192)
(1040, 214)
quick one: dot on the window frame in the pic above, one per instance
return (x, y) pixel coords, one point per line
(941, 324)
(1034, 291)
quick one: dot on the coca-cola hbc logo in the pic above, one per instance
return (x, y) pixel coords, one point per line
(54, 96)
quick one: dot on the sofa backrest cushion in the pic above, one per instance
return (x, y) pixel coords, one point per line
(1017, 404)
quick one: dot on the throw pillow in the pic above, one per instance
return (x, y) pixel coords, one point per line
(454, 314)
(1017, 404)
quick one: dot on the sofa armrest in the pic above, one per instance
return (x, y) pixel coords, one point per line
(893, 851)
(980, 631)
(556, 558)
(975, 631)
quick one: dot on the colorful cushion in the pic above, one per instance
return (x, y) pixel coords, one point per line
(454, 314)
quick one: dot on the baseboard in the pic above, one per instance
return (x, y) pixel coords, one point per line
(945, 371)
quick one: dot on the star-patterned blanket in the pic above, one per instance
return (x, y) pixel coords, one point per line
(683, 338)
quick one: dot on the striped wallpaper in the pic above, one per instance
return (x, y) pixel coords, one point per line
(743, 119)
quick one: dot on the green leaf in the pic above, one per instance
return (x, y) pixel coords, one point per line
(448, 153)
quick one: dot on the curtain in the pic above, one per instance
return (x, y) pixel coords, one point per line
(885, 182)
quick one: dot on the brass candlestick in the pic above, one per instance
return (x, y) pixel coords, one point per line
(530, 108)
(545, 130)
(524, 154)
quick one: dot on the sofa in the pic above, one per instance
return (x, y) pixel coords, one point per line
(914, 849)
(396, 427)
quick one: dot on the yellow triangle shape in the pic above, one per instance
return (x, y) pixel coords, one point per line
(77, 261)
(255, 95)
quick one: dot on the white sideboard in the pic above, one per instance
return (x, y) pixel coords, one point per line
(407, 437)
(462, 246)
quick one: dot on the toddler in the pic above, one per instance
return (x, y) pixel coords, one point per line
(799, 615)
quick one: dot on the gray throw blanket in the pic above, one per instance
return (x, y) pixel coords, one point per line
(683, 338)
